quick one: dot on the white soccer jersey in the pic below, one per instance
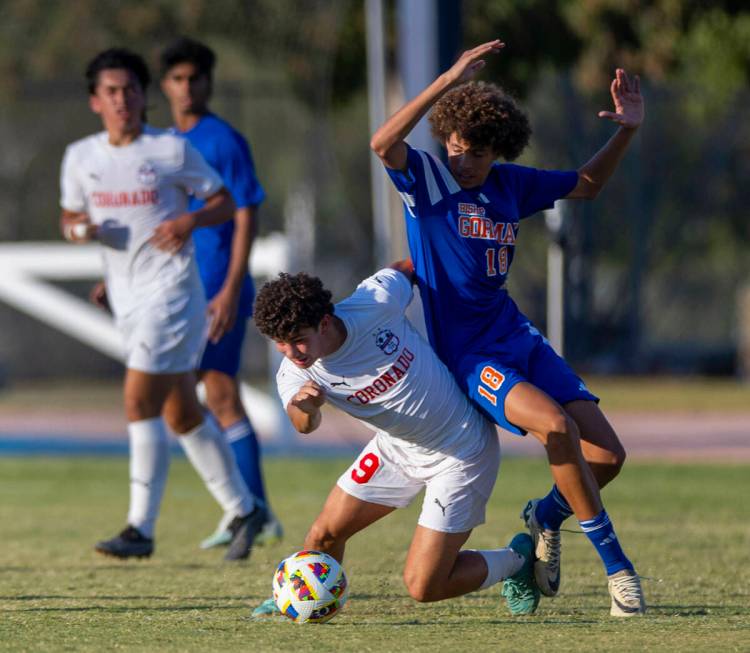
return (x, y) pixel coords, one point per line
(129, 190)
(386, 375)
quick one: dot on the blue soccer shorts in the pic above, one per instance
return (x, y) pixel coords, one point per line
(224, 356)
(489, 373)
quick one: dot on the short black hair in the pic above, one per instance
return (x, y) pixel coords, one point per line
(186, 50)
(115, 58)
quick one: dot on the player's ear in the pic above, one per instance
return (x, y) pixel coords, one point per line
(95, 104)
(324, 324)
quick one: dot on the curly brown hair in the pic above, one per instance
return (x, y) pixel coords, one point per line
(290, 303)
(483, 115)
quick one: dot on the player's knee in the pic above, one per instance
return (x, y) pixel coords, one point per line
(420, 587)
(224, 402)
(557, 426)
(139, 407)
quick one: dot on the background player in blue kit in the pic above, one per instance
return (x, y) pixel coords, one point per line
(462, 222)
(222, 254)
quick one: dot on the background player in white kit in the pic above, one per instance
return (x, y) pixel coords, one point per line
(364, 357)
(128, 187)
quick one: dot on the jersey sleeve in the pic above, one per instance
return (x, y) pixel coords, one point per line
(289, 379)
(388, 292)
(238, 172)
(195, 175)
(539, 189)
(425, 182)
(72, 194)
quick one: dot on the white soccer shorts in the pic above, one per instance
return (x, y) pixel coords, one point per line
(456, 490)
(166, 336)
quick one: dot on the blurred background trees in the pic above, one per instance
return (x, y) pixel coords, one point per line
(654, 264)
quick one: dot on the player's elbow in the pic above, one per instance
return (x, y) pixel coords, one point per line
(588, 188)
(378, 146)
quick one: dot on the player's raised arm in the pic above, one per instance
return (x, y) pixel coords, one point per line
(628, 114)
(388, 141)
(304, 408)
(172, 235)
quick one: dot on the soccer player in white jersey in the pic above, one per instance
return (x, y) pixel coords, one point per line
(128, 188)
(364, 357)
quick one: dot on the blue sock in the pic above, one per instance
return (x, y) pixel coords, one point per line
(601, 533)
(552, 510)
(244, 443)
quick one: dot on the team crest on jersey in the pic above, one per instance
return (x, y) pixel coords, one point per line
(147, 174)
(387, 341)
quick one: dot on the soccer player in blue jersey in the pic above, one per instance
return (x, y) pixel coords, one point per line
(222, 254)
(462, 222)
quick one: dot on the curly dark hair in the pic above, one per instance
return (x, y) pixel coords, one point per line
(290, 303)
(483, 115)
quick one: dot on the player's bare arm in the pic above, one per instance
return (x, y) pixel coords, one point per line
(628, 114)
(172, 235)
(304, 408)
(223, 307)
(77, 227)
(388, 141)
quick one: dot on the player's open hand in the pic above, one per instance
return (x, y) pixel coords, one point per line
(171, 235)
(471, 62)
(626, 94)
(309, 398)
(222, 314)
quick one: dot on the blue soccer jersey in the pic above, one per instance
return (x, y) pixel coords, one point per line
(462, 243)
(227, 151)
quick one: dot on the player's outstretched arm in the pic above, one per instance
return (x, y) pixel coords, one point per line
(628, 114)
(76, 227)
(172, 235)
(388, 140)
(304, 408)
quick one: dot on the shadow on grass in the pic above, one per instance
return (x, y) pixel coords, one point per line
(140, 609)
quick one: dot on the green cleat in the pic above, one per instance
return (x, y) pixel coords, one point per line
(271, 533)
(219, 538)
(266, 609)
(520, 590)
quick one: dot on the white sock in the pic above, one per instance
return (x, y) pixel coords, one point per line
(149, 465)
(209, 452)
(501, 564)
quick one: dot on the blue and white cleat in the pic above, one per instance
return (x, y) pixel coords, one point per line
(221, 537)
(547, 548)
(520, 590)
(627, 594)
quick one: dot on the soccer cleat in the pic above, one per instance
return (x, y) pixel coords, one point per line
(244, 531)
(271, 533)
(266, 609)
(520, 590)
(627, 595)
(220, 537)
(130, 543)
(547, 549)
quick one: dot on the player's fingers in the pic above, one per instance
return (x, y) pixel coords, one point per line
(637, 85)
(616, 117)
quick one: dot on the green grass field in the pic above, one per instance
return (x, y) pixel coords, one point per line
(687, 528)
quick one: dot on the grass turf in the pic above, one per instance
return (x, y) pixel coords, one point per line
(686, 528)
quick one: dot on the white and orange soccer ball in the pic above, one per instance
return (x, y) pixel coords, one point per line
(310, 587)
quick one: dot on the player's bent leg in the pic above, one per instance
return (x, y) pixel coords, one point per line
(600, 445)
(342, 516)
(535, 412)
(437, 569)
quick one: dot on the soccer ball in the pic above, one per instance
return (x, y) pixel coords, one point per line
(310, 587)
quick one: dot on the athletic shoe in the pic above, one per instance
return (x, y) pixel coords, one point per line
(627, 595)
(520, 590)
(244, 531)
(219, 537)
(266, 609)
(271, 533)
(547, 550)
(130, 543)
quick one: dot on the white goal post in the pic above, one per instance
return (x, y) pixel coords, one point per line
(27, 268)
